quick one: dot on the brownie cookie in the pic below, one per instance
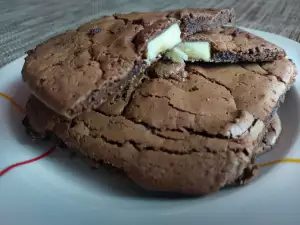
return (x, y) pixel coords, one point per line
(80, 69)
(193, 135)
(227, 44)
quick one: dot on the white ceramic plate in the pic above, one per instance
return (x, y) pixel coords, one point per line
(57, 190)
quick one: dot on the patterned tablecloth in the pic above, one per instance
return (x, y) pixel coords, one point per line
(24, 24)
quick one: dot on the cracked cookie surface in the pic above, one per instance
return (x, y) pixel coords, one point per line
(81, 68)
(191, 134)
(230, 44)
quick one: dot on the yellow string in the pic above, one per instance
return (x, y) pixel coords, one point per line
(287, 160)
(13, 102)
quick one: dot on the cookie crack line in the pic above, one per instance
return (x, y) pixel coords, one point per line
(202, 133)
(214, 81)
(182, 130)
(152, 130)
(153, 95)
(170, 104)
(142, 147)
(126, 21)
(268, 74)
(130, 98)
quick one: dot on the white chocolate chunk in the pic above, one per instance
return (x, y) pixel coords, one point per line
(176, 55)
(239, 126)
(198, 50)
(167, 40)
(274, 131)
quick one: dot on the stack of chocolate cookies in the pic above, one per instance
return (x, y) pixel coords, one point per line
(181, 101)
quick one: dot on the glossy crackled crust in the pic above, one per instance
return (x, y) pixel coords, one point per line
(191, 136)
(66, 71)
(230, 44)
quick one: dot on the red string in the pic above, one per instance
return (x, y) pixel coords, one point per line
(7, 169)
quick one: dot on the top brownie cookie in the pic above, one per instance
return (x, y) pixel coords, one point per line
(81, 68)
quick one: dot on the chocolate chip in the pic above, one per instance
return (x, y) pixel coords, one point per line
(225, 57)
(250, 36)
(236, 32)
(94, 31)
(30, 51)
